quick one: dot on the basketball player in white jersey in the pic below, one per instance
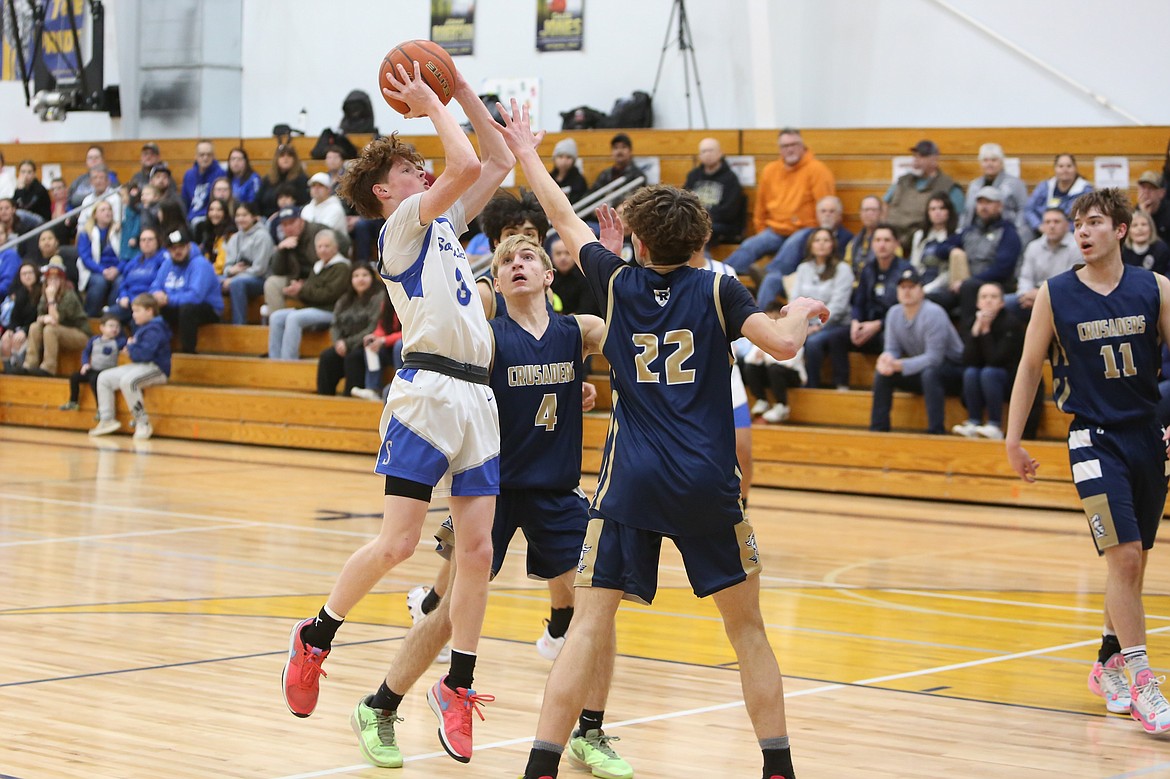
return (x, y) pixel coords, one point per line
(440, 419)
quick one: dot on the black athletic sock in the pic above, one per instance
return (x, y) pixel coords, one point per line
(589, 720)
(1110, 645)
(320, 634)
(542, 762)
(462, 670)
(558, 621)
(385, 699)
(430, 601)
(777, 758)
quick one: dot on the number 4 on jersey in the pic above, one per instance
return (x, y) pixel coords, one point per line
(546, 415)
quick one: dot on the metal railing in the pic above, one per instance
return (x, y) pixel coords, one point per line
(36, 231)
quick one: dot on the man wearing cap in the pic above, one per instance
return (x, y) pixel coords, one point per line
(565, 171)
(61, 322)
(923, 354)
(988, 248)
(162, 180)
(621, 150)
(1015, 194)
(719, 191)
(1152, 199)
(324, 208)
(294, 258)
(786, 198)
(187, 290)
(149, 157)
(907, 197)
(197, 182)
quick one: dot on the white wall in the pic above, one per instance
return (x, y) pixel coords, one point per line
(762, 63)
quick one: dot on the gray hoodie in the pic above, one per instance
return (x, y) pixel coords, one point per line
(254, 245)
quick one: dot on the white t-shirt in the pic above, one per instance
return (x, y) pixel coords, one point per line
(329, 212)
(431, 286)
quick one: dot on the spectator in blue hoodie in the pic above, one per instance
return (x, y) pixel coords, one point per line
(138, 274)
(197, 182)
(245, 181)
(97, 247)
(149, 350)
(187, 290)
(10, 261)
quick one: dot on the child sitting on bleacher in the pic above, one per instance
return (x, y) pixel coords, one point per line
(101, 353)
(150, 354)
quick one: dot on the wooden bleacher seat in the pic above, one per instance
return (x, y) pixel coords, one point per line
(227, 394)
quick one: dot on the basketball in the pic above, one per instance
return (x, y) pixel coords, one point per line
(435, 65)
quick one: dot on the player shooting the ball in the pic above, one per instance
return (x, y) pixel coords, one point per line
(440, 418)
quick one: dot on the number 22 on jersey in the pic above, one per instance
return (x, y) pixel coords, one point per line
(683, 343)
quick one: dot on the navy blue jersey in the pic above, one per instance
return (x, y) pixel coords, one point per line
(1106, 353)
(538, 391)
(669, 464)
(501, 305)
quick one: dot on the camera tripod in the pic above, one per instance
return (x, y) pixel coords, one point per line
(686, 47)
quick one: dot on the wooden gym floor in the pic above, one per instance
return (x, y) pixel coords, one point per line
(146, 593)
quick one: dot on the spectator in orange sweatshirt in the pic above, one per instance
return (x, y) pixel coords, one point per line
(786, 199)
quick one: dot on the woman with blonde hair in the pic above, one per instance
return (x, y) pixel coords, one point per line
(97, 247)
(1143, 247)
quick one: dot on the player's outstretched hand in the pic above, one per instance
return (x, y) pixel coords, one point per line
(588, 396)
(611, 234)
(1022, 462)
(517, 129)
(411, 90)
(807, 308)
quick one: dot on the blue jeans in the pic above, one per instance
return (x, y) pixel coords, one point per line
(391, 353)
(767, 241)
(285, 327)
(241, 289)
(933, 384)
(829, 339)
(985, 389)
(100, 293)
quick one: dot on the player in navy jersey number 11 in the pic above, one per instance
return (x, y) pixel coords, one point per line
(1102, 325)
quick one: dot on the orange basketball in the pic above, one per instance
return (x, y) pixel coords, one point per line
(435, 65)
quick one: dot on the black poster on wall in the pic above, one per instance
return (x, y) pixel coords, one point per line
(453, 25)
(560, 25)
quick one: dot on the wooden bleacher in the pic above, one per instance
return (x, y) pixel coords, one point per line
(227, 393)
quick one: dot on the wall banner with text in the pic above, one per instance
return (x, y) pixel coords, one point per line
(560, 25)
(453, 25)
(57, 50)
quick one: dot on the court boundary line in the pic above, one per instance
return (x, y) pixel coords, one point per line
(829, 687)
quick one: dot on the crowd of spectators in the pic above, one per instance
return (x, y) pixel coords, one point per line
(223, 232)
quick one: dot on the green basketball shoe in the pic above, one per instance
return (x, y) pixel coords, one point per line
(593, 752)
(375, 732)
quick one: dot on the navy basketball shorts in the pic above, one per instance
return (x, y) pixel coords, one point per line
(620, 557)
(1120, 473)
(552, 521)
